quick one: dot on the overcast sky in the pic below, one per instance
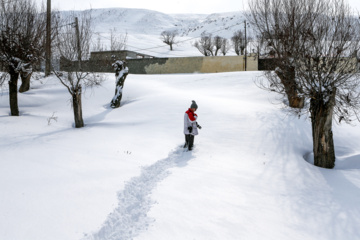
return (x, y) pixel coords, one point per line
(165, 6)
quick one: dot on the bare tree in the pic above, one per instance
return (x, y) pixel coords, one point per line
(205, 45)
(316, 41)
(260, 48)
(73, 42)
(117, 41)
(218, 41)
(239, 42)
(225, 46)
(168, 37)
(67, 41)
(278, 22)
(98, 46)
(21, 42)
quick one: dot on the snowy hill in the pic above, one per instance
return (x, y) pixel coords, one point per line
(140, 21)
(133, 21)
(144, 27)
(126, 176)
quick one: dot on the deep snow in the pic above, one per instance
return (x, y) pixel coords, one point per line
(125, 176)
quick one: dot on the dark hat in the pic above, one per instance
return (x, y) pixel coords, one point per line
(194, 105)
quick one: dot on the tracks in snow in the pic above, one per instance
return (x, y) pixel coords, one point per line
(130, 218)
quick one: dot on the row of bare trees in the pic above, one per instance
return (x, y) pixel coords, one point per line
(209, 45)
(315, 45)
(22, 44)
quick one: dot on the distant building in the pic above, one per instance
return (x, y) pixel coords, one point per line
(116, 55)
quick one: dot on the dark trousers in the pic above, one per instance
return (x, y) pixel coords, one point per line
(189, 141)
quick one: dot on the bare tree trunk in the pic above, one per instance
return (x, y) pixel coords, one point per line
(48, 39)
(321, 120)
(120, 80)
(77, 107)
(25, 81)
(287, 77)
(13, 85)
(115, 102)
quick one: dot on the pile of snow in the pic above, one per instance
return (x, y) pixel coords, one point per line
(125, 174)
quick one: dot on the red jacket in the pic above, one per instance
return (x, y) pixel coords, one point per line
(191, 114)
(190, 121)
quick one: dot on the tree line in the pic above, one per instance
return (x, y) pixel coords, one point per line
(209, 45)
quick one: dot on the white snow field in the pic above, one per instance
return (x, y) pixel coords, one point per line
(126, 176)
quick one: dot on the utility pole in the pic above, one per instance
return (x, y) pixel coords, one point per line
(48, 40)
(245, 47)
(78, 41)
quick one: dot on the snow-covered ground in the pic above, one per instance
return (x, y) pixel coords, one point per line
(125, 174)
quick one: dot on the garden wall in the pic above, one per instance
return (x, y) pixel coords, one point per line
(170, 65)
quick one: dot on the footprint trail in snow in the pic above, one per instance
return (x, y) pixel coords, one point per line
(130, 218)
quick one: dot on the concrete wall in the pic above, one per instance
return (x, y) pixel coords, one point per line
(171, 65)
(345, 64)
(201, 65)
(108, 55)
(86, 66)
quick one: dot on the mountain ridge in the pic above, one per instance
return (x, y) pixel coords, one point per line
(143, 28)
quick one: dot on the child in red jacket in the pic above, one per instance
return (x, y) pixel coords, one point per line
(190, 125)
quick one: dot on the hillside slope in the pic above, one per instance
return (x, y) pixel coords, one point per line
(143, 28)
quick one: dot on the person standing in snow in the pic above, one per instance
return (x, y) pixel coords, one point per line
(190, 125)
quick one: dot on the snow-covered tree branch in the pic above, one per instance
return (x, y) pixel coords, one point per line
(22, 29)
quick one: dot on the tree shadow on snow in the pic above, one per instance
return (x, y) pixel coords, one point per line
(122, 103)
(96, 119)
(287, 135)
(313, 201)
